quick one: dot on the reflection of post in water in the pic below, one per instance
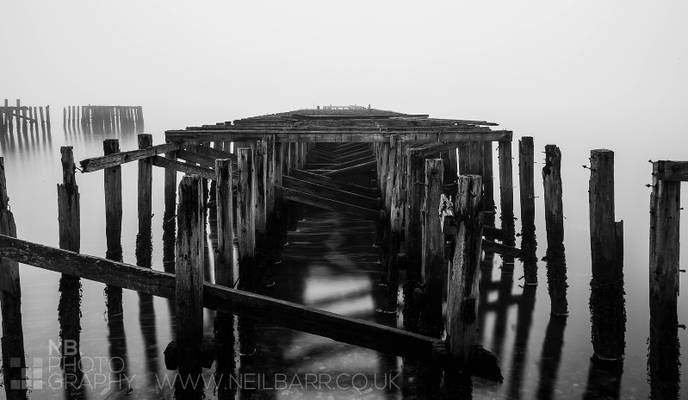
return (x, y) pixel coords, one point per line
(150, 341)
(113, 231)
(70, 287)
(665, 212)
(526, 305)
(604, 379)
(551, 356)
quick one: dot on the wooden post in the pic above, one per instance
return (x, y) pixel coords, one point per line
(270, 185)
(526, 160)
(487, 175)
(260, 183)
(396, 219)
(169, 223)
(554, 215)
(506, 192)
(189, 286)
(464, 275)
(554, 221)
(664, 285)
(607, 294)
(246, 207)
(433, 248)
(224, 274)
(145, 213)
(70, 287)
(13, 358)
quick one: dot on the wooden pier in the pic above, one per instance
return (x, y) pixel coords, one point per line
(426, 184)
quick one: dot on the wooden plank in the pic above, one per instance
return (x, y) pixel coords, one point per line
(98, 163)
(278, 312)
(190, 169)
(330, 192)
(503, 249)
(325, 203)
(195, 158)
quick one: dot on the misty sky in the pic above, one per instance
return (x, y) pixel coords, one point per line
(601, 69)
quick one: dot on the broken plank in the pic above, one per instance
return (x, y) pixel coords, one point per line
(183, 167)
(330, 192)
(327, 204)
(494, 247)
(354, 169)
(113, 160)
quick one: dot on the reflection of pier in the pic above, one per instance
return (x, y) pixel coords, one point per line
(102, 121)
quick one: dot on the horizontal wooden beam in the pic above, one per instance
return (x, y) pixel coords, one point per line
(443, 136)
(190, 169)
(325, 203)
(209, 152)
(113, 160)
(329, 192)
(278, 312)
(670, 170)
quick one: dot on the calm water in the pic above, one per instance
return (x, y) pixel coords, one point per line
(345, 286)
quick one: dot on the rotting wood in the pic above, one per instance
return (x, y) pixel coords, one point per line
(506, 191)
(526, 171)
(145, 205)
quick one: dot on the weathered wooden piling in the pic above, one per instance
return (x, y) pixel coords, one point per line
(526, 173)
(464, 276)
(606, 241)
(145, 207)
(554, 221)
(665, 206)
(13, 358)
(169, 223)
(189, 287)
(433, 260)
(506, 192)
(70, 287)
(554, 214)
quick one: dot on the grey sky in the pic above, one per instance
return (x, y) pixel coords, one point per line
(526, 64)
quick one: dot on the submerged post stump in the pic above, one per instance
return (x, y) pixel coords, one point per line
(189, 287)
(13, 358)
(607, 294)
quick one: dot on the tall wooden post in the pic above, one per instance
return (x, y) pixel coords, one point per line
(506, 192)
(664, 285)
(433, 248)
(70, 287)
(554, 220)
(13, 358)
(224, 274)
(145, 213)
(464, 276)
(261, 190)
(169, 223)
(246, 232)
(526, 175)
(189, 286)
(607, 293)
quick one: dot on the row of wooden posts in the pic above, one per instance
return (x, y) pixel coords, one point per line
(103, 120)
(421, 211)
(23, 123)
